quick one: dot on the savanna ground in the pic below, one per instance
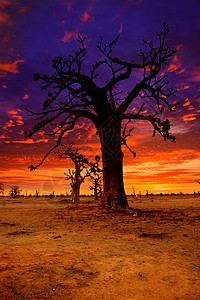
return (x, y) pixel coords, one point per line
(50, 249)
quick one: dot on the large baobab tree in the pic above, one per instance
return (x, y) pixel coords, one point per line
(75, 93)
(77, 175)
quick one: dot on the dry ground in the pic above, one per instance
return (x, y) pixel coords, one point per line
(50, 249)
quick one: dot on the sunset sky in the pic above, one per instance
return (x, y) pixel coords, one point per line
(33, 32)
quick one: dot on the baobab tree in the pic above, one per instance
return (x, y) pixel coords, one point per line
(1, 188)
(37, 192)
(15, 191)
(77, 175)
(75, 93)
(95, 174)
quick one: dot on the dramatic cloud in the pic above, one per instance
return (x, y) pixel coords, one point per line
(69, 35)
(11, 67)
(32, 33)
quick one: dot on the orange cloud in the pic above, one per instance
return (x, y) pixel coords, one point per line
(31, 141)
(16, 118)
(19, 120)
(185, 87)
(187, 102)
(176, 61)
(12, 112)
(10, 123)
(189, 117)
(3, 136)
(11, 67)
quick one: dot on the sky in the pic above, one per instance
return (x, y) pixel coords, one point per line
(32, 33)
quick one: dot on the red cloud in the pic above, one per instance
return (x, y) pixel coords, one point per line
(11, 67)
(30, 141)
(176, 61)
(68, 35)
(26, 97)
(86, 17)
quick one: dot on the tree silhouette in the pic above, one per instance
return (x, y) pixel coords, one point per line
(198, 180)
(37, 192)
(75, 94)
(15, 191)
(95, 174)
(76, 176)
(1, 188)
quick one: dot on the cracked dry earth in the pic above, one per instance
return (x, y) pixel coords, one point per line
(50, 249)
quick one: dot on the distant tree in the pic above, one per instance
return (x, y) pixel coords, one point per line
(134, 194)
(37, 192)
(52, 195)
(74, 94)
(15, 191)
(95, 175)
(198, 180)
(1, 189)
(77, 175)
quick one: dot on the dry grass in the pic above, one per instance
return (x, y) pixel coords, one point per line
(51, 249)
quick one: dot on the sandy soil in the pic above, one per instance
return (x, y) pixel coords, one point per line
(50, 249)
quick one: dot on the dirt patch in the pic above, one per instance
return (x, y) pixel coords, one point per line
(59, 250)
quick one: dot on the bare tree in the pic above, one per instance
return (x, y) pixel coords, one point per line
(15, 191)
(37, 192)
(1, 189)
(95, 174)
(198, 180)
(134, 194)
(76, 176)
(74, 94)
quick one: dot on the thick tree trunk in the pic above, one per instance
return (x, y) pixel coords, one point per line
(76, 185)
(113, 186)
(95, 190)
(76, 192)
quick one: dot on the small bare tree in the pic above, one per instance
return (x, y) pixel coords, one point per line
(37, 192)
(198, 180)
(15, 191)
(1, 189)
(134, 194)
(95, 174)
(77, 175)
